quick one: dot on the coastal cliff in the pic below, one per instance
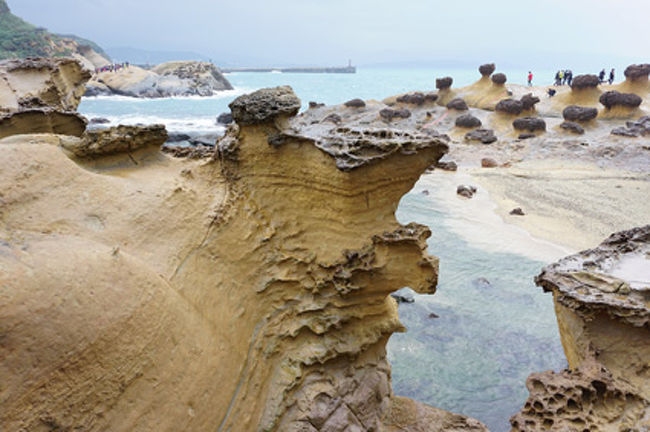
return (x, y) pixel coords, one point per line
(244, 291)
(181, 78)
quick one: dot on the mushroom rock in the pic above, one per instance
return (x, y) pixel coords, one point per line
(572, 127)
(417, 98)
(467, 121)
(510, 106)
(529, 101)
(262, 309)
(457, 104)
(499, 78)
(487, 69)
(581, 82)
(531, 124)
(390, 114)
(637, 72)
(355, 103)
(600, 298)
(577, 113)
(444, 83)
(613, 98)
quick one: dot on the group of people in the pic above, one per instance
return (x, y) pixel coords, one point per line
(112, 67)
(610, 80)
(563, 77)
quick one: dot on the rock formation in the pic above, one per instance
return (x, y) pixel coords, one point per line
(417, 98)
(187, 78)
(457, 104)
(43, 120)
(637, 72)
(530, 124)
(467, 121)
(576, 113)
(487, 69)
(485, 136)
(499, 78)
(584, 82)
(572, 127)
(119, 139)
(602, 308)
(390, 114)
(634, 129)
(265, 308)
(510, 106)
(355, 103)
(444, 83)
(528, 101)
(611, 99)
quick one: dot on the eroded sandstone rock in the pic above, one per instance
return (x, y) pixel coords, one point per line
(510, 106)
(577, 113)
(444, 83)
(487, 69)
(467, 121)
(42, 120)
(531, 124)
(499, 78)
(529, 101)
(585, 81)
(572, 127)
(264, 106)
(457, 104)
(485, 136)
(613, 98)
(355, 103)
(118, 139)
(389, 114)
(637, 71)
(417, 98)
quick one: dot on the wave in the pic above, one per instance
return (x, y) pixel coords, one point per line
(197, 125)
(219, 95)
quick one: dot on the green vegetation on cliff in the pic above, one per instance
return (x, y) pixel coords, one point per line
(20, 39)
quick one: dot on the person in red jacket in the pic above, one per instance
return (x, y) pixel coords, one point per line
(530, 78)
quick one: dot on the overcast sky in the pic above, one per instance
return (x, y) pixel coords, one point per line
(329, 32)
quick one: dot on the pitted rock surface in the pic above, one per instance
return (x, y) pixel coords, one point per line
(390, 114)
(42, 120)
(265, 105)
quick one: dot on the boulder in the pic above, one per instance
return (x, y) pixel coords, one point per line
(355, 103)
(118, 139)
(202, 78)
(485, 136)
(517, 212)
(499, 78)
(529, 101)
(530, 124)
(635, 129)
(577, 113)
(487, 69)
(467, 121)
(572, 127)
(417, 98)
(265, 105)
(446, 166)
(313, 105)
(585, 81)
(224, 118)
(613, 98)
(637, 71)
(333, 118)
(489, 163)
(526, 135)
(510, 106)
(466, 191)
(178, 137)
(98, 121)
(389, 113)
(444, 83)
(457, 104)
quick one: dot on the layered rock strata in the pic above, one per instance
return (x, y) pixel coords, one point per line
(603, 311)
(265, 308)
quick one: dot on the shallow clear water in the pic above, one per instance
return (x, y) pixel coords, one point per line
(494, 327)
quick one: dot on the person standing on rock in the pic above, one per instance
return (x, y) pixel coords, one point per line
(530, 79)
(611, 76)
(569, 77)
(558, 80)
(601, 76)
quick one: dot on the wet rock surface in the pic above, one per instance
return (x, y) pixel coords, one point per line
(613, 98)
(577, 113)
(485, 136)
(531, 124)
(265, 105)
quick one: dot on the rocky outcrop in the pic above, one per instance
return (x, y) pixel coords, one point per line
(457, 104)
(44, 120)
(487, 69)
(390, 114)
(637, 72)
(467, 121)
(572, 127)
(634, 129)
(581, 82)
(528, 101)
(266, 307)
(601, 304)
(499, 78)
(530, 124)
(417, 98)
(119, 139)
(188, 78)
(485, 136)
(355, 103)
(510, 106)
(224, 118)
(576, 113)
(444, 83)
(611, 99)
(57, 83)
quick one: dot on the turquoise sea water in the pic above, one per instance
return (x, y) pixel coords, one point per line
(494, 327)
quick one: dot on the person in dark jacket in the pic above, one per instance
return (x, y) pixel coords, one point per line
(611, 76)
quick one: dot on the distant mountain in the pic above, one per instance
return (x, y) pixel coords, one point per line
(20, 39)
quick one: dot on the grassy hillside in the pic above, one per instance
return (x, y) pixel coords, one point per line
(20, 39)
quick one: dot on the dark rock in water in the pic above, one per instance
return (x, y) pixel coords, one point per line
(355, 103)
(457, 104)
(528, 101)
(510, 106)
(224, 118)
(405, 295)
(178, 137)
(466, 191)
(525, 136)
(634, 129)
(482, 283)
(264, 105)
(487, 69)
(204, 140)
(489, 163)
(425, 192)
(530, 124)
(98, 121)
(446, 166)
(390, 114)
(637, 71)
(613, 98)
(468, 121)
(333, 118)
(572, 127)
(578, 113)
(444, 83)
(499, 78)
(585, 81)
(517, 212)
(486, 136)
(433, 315)
(313, 105)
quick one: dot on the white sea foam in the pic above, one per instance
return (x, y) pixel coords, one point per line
(219, 95)
(200, 125)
